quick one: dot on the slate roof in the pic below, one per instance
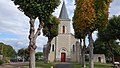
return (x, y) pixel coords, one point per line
(63, 13)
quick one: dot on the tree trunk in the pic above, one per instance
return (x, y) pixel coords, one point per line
(91, 56)
(32, 58)
(32, 45)
(111, 51)
(46, 53)
(32, 37)
(80, 51)
(77, 52)
(83, 54)
(48, 47)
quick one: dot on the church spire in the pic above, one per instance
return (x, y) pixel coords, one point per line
(63, 13)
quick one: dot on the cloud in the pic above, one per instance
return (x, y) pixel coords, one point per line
(15, 43)
(11, 17)
(114, 8)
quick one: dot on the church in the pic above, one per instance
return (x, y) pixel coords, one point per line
(64, 47)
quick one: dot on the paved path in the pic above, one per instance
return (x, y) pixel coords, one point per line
(64, 65)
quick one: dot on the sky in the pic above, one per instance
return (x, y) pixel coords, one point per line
(14, 25)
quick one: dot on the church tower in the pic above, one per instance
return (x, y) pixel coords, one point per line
(63, 46)
(64, 27)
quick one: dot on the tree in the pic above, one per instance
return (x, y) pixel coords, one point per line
(113, 32)
(89, 16)
(50, 30)
(38, 55)
(84, 16)
(7, 50)
(33, 9)
(114, 27)
(23, 52)
(102, 47)
(110, 33)
(104, 35)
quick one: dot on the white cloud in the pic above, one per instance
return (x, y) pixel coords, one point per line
(114, 8)
(11, 17)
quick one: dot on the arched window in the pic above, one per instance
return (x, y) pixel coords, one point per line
(53, 47)
(73, 48)
(63, 29)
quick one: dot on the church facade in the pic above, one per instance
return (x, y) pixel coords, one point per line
(64, 47)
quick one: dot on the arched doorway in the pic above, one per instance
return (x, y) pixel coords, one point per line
(63, 57)
(99, 59)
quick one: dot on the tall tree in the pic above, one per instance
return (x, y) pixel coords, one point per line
(33, 9)
(79, 32)
(90, 15)
(104, 35)
(110, 33)
(100, 22)
(50, 30)
(84, 16)
(113, 32)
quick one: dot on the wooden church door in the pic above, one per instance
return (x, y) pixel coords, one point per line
(63, 57)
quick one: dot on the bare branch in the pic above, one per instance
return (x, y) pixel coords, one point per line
(40, 26)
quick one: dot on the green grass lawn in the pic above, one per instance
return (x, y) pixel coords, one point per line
(97, 65)
(40, 64)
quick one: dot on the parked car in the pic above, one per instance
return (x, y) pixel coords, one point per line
(20, 59)
(13, 59)
(40, 59)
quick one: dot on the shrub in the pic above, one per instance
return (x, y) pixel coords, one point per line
(1, 62)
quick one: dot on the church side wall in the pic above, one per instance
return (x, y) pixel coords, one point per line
(51, 57)
(73, 53)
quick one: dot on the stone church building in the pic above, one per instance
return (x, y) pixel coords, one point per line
(63, 47)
